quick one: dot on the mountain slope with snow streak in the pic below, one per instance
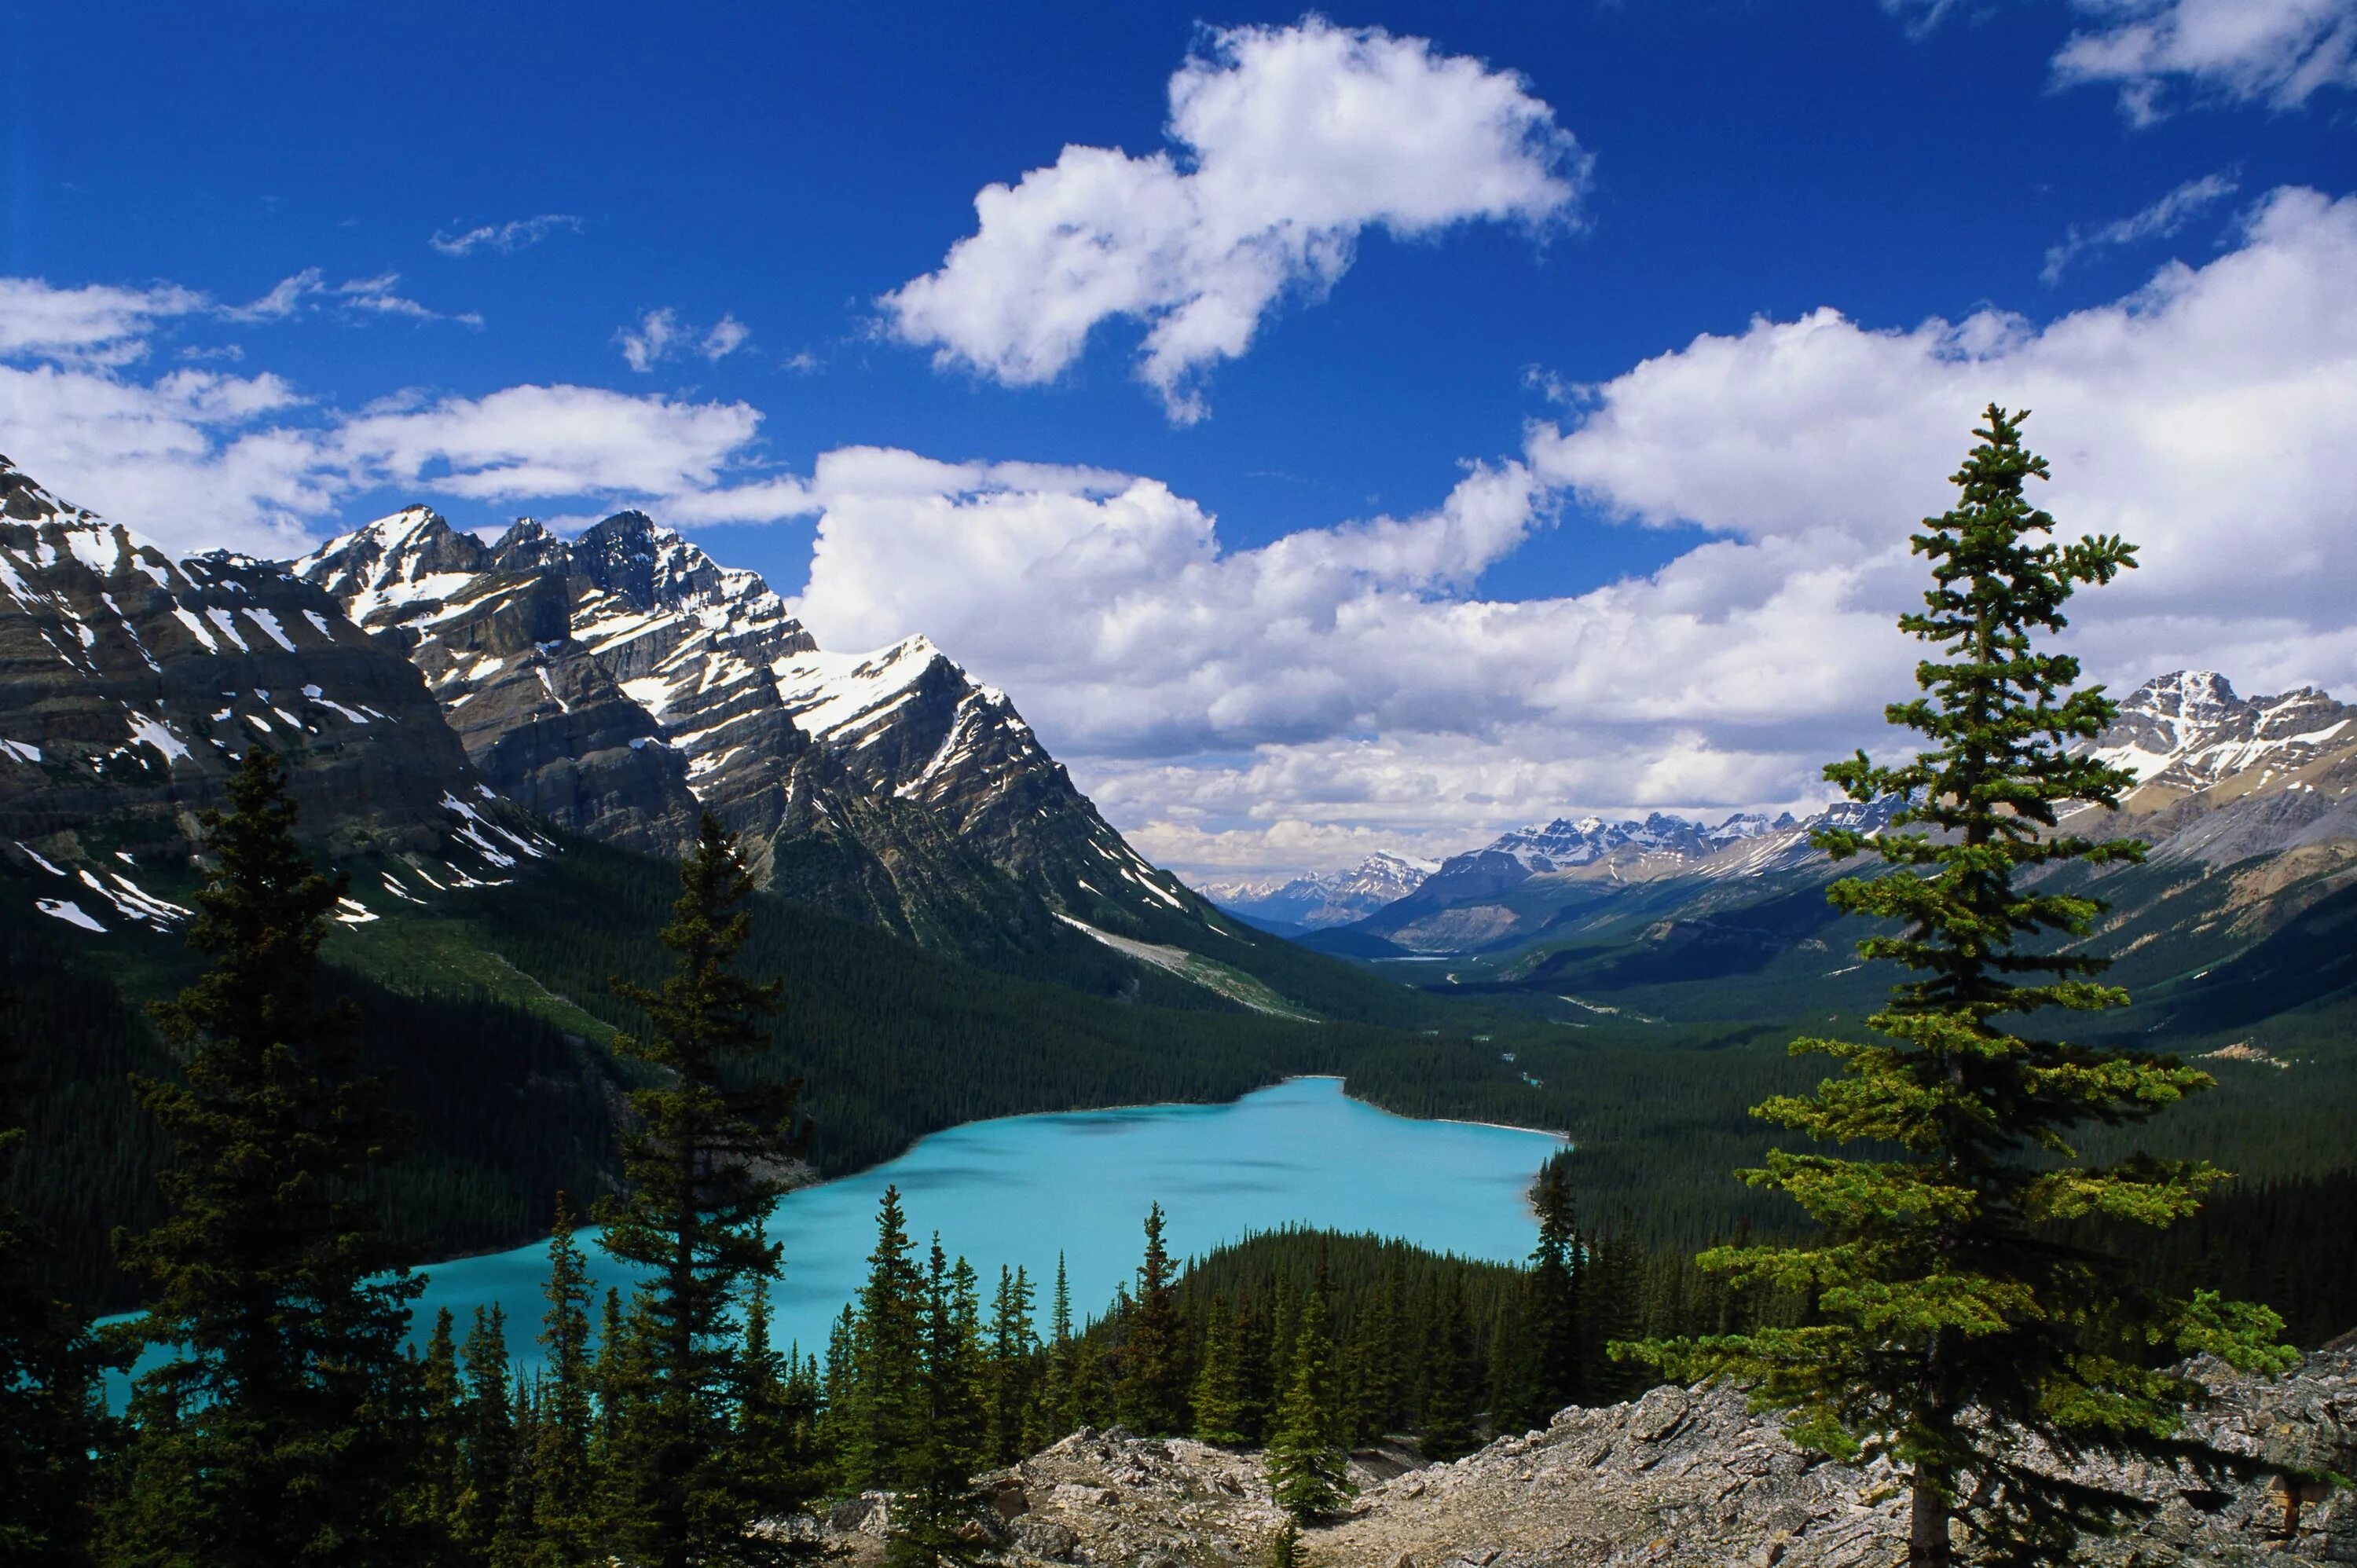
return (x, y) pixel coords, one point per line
(131, 684)
(622, 682)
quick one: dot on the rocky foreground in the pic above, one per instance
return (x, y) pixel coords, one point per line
(1680, 1478)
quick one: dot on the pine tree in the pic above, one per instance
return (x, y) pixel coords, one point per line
(886, 1414)
(1448, 1377)
(1552, 1324)
(274, 1433)
(434, 1482)
(771, 1447)
(1965, 1320)
(564, 1499)
(702, 1181)
(1219, 1394)
(1153, 1397)
(49, 1424)
(1285, 1546)
(1058, 1394)
(1379, 1382)
(1305, 1462)
(932, 1517)
(1013, 1365)
(487, 1443)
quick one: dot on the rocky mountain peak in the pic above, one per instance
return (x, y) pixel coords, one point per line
(2188, 730)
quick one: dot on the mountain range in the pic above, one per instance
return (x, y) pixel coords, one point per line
(1289, 906)
(439, 696)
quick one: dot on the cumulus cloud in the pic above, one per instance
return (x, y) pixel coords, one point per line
(507, 238)
(530, 442)
(2277, 52)
(1290, 144)
(95, 323)
(1352, 676)
(2164, 218)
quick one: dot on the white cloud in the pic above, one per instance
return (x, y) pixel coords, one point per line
(505, 238)
(303, 291)
(2165, 217)
(1291, 142)
(661, 334)
(530, 442)
(724, 339)
(1351, 677)
(96, 323)
(2277, 52)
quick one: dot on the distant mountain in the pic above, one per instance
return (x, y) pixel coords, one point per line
(1325, 898)
(2221, 779)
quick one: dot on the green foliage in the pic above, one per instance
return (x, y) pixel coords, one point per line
(1153, 1401)
(564, 1502)
(1219, 1392)
(49, 1365)
(1305, 1461)
(700, 1173)
(1953, 1330)
(274, 1431)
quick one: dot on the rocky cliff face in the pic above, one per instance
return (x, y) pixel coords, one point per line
(622, 682)
(1681, 1478)
(131, 683)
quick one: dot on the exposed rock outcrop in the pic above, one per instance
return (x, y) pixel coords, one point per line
(1679, 1478)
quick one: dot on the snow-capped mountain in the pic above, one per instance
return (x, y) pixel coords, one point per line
(131, 684)
(1325, 898)
(2188, 730)
(622, 682)
(2223, 779)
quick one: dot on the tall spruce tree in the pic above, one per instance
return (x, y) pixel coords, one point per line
(1153, 1397)
(487, 1437)
(1450, 1376)
(703, 1175)
(1552, 1320)
(1219, 1392)
(933, 1519)
(49, 1423)
(1967, 1326)
(275, 1431)
(564, 1499)
(1306, 1463)
(1060, 1386)
(1014, 1366)
(886, 1408)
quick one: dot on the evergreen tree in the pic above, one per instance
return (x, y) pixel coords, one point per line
(1219, 1394)
(50, 1423)
(1968, 1325)
(274, 1433)
(487, 1443)
(886, 1413)
(1305, 1462)
(564, 1498)
(1551, 1325)
(1058, 1394)
(1450, 1378)
(933, 1519)
(1013, 1366)
(1378, 1361)
(1153, 1397)
(702, 1181)
(1285, 1546)
(771, 1451)
(441, 1404)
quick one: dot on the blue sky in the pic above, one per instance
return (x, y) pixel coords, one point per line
(449, 211)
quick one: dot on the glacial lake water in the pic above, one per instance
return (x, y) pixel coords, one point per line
(1024, 1187)
(1019, 1189)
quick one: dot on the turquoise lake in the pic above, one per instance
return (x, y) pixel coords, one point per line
(1018, 1189)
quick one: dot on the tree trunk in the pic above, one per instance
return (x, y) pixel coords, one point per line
(1927, 1537)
